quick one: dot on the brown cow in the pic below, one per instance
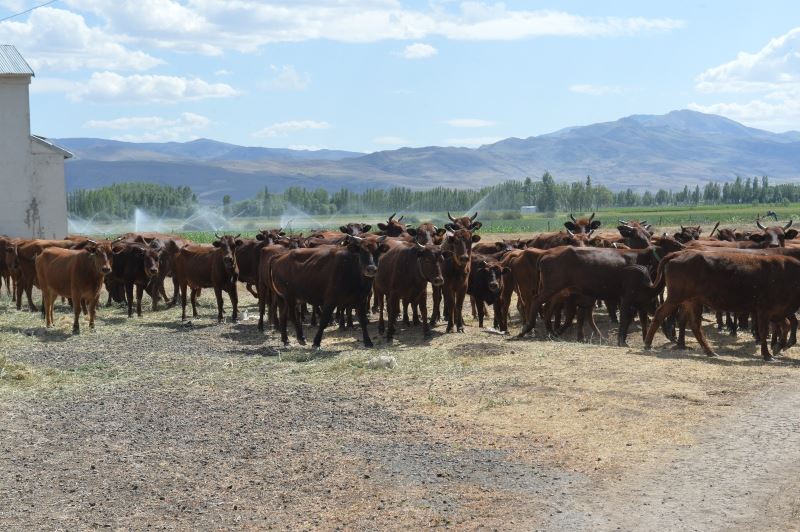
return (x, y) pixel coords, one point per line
(562, 238)
(687, 234)
(403, 274)
(75, 274)
(26, 253)
(732, 282)
(456, 276)
(248, 256)
(355, 228)
(200, 266)
(427, 233)
(463, 222)
(774, 236)
(486, 287)
(327, 276)
(5, 272)
(392, 227)
(135, 265)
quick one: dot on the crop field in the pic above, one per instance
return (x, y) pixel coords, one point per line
(197, 425)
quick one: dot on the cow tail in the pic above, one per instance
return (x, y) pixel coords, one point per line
(661, 278)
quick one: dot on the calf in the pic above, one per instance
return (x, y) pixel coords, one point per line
(26, 253)
(486, 287)
(75, 274)
(392, 227)
(199, 266)
(403, 274)
(135, 265)
(328, 276)
(456, 275)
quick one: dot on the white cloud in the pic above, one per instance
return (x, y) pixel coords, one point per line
(419, 50)
(222, 72)
(113, 87)
(595, 90)
(282, 129)
(212, 26)
(469, 122)
(288, 78)
(60, 40)
(153, 128)
(471, 142)
(307, 147)
(771, 78)
(391, 140)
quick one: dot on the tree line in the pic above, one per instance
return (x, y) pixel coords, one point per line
(119, 201)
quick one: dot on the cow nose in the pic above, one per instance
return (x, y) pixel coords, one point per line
(438, 281)
(106, 270)
(494, 287)
(464, 258)
(774, 245)
(371, 270)
(154, 270)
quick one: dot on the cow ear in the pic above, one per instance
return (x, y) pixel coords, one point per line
(282, 233)
(441, 231)
(500, 246)
(343, 229)
(449, 227)
(505, 271)
(260, 237)
(411, 231)
(366, 228)
(571, 226)
(791, 234)
(238, 242)
(475, 226)
(216, 243)
(382, 226)
(446, 253)
(383, 248)
(595, 225)
(756, 237)
(476, 238)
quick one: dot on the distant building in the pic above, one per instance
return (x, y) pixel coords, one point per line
(528, 209)
(33, 199)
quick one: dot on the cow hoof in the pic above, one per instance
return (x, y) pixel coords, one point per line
(316, 347)
(711, 354)
(301, 341)
(369, 344)
(680, 347)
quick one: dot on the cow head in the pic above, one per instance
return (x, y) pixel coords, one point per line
(427, 233)
(100, 254)
(151, 256)
(493, 273)
(393, 227)
(459, 242)
(666, 244)
(582, 225)
(270, 236)
(227, 245)
(464, 222)
(431, 259)
(12, 258)
(368, 250)
(687, 234)
(728, 235)
(774, 236)
(636, 234)
(355, 228)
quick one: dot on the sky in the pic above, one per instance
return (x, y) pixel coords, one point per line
(369, 75)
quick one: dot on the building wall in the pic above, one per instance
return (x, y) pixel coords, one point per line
(32, 190)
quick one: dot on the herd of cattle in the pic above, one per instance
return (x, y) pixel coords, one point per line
(748, 277)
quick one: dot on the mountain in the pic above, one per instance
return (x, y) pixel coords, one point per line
(640, 151)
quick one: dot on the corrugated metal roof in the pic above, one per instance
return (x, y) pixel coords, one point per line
(47, 143)
(12, 62)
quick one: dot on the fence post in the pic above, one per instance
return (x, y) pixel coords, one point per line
(548, 226)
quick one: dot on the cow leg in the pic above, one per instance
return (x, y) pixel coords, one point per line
(473, 307)
(92, 311)
(350, 317)
(406, 321)
(155, 292)
(459, 310)
(793, 331)
(381, 323)
(533, 309)
(194, 301)
(695, 321)
(220, 303)
(262, 305)
(288, 306)
(233, 294)
(18, 295)
(324, 319)
(415, 313)
(720, 323)
(664, 310)
(29, 294)
(76, 311)
(250, 289)
(437, 297)
(46, 307)
(479, 308)
(139, 294)
(612, 311)
(422, 303)
(363, 322)
(625, 316)
(393, 304)
(762, 322)
(183, 302)
(298, 325)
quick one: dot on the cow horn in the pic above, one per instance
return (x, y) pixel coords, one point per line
(623, 222)
(759, 224)
(591, 217)
(392, 216)
(474, 216)
(712, 231)
(643, 223)
(89, 240)
(683, 229)
(401, 218)
(571, 217)
(787, 226)
(570, 233)
(450, 216)
(217, 236)
(237, 236)
(419, 246)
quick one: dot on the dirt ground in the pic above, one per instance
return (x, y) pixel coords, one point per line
(150, 422)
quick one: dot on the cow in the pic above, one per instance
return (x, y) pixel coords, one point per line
(595, 273)
(135, 265)
(75, 274)
(392, 227)
(5, 272)
(687, 234)
(463, 222)
(582, 225)
(486, 287)
(169, 244)
(456, 276)
(523, 278)
(355, 228)
(328, 276)
(25, 256)
(249, 253)
(497, 249)
(403, 274)
(728, 281)
(427, 233)
(201, 266)
(774, 236)
(561, 238)
(635, 235)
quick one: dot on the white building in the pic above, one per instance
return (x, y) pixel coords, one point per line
(528, 209)
(33, 199)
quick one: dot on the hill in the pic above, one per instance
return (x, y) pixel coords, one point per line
(639, 151)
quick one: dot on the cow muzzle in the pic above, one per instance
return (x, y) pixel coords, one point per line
(437, 281)
(106, 270)
(370, 271)
(494, 287)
